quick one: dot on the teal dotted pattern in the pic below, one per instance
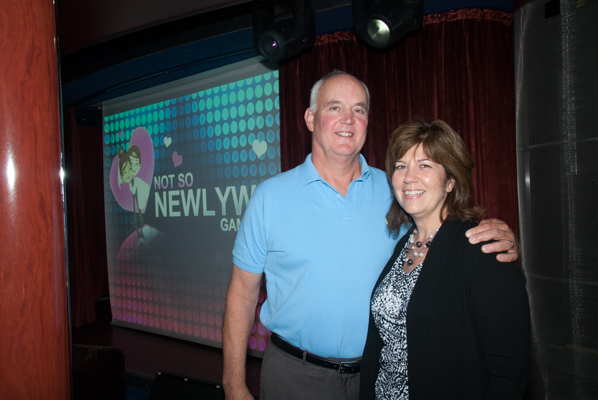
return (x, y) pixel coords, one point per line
(228, 134)
(219, 129)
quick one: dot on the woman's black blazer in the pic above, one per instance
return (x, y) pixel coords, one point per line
(468, 324)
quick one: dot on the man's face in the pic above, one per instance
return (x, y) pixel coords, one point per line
(340, 122)
(134, 165)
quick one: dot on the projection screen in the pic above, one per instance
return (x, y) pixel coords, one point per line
(180, 164)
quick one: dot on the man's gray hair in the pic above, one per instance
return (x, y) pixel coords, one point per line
(315, 90)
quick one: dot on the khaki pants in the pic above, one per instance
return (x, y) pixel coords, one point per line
(285, 377)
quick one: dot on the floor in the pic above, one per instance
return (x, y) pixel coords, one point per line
(147, 353)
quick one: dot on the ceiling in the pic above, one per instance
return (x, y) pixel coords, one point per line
(106, 45)
(83, 23)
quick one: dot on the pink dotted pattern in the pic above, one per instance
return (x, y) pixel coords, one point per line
(187, 302)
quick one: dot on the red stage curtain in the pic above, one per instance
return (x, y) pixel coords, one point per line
(86, 240)
(459, 68)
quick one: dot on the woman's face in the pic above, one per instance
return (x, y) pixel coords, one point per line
(420, 185)
(126, 172)
(134, 164)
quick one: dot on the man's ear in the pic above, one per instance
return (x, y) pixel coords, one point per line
(309, 119)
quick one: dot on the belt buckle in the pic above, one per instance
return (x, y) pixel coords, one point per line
(342, 366)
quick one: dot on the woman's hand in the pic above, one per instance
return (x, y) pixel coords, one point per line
(505, 240)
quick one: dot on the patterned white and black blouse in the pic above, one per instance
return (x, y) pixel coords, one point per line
(389, 308)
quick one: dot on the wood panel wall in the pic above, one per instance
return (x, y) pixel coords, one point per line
(34, 338)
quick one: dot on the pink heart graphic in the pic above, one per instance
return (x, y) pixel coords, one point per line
(176, 159)
(121, 190)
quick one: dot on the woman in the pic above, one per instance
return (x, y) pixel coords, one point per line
(447, 321)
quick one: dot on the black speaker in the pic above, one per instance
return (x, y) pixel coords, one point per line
(556, 86)
(278, 37)
(170, 386)
(380, 23)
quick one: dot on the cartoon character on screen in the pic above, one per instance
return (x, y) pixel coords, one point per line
(129, 164)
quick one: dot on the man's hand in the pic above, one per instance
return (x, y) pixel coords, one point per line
(240, 393)
(505, 240)
(239, 315)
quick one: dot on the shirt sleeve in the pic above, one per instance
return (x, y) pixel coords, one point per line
(251, 247)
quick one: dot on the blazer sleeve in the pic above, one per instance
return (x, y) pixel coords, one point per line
(500, 313)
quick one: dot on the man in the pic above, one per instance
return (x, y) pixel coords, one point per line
(318, 232)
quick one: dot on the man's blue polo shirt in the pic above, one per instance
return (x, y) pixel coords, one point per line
(322, 254)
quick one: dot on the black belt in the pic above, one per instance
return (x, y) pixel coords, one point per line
(341, 367)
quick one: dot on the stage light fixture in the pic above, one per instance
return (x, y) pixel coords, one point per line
(277, 37)
(381, 23)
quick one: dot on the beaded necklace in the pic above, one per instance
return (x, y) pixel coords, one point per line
(422, 247)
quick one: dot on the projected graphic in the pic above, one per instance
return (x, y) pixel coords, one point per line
(179, 172)
(130, 179)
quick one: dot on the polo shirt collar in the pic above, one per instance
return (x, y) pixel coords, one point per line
(309, 173)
